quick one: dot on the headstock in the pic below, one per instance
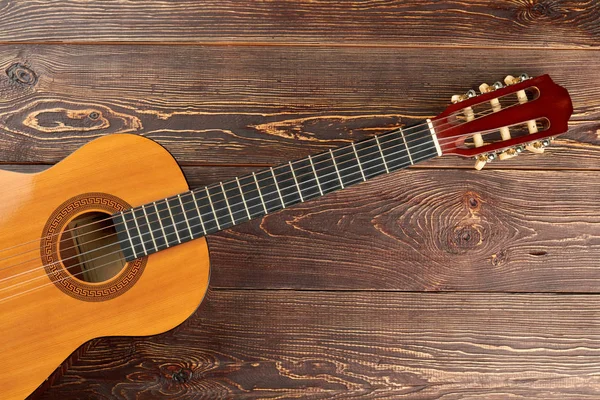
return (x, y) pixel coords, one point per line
(505, 119)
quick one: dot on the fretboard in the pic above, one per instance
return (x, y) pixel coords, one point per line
(168, 222)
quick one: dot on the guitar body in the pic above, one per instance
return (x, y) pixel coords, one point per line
(47, 311)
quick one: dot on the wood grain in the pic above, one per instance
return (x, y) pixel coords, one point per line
(420, 230)
(315, 345)
(224, 105)
(229, 87)
(432, 230)
(479, 23)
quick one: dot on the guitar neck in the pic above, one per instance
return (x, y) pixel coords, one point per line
(168, 222)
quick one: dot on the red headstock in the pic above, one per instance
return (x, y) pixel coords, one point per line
(505, 119)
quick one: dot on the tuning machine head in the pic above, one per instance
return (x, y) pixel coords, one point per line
(539, 147)
(485, 88)
(461, 97)
(483, 159)
(511, 80)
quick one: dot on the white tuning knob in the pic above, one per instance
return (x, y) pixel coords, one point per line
(510, 80)
(457, 98)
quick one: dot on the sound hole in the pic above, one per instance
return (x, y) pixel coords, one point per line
(89, 248)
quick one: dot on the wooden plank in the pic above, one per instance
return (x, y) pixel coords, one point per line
(438, 230)
(479, 23)
(420, 230)
(286, 344)
(262, 105)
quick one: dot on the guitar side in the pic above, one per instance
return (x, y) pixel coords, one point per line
(44, 317)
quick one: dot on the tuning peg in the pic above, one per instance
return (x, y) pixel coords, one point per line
(485, 88)
(480, 162)
(508, 154)
(510, 80)
(457, 98)
(483, 159)
(538, 147)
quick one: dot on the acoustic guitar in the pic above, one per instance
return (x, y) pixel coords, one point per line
(111, 241)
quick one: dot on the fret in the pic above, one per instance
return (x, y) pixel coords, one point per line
(179, 219)
(348, 165)
(423, 147)
(260, 193)
(237, 201)
(296, 182)
(370, 158)
(387, 170)
(137, 226)
(394, 151)
(406, 145)
(123, 233)
(305, 181)
(198, 211)
(277, 187)
(252, 197)
(167, 223)
(187, 221)
(150, 228)
(203, 208)
(268, 189)
(243, 198)
(326, 173)
(359, 164)
(287, 188)
(316, 176)
(337, 171)
(192, 214)
(173, 221)
(212, 207)
(219, 203)
(227, 202)
(156, 219)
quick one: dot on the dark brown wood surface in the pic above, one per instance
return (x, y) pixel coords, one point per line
(438, 282)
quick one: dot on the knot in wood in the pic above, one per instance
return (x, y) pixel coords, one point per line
(473, 201)
(21, 74)
(464, 238)
(549, 10)
(182, 376)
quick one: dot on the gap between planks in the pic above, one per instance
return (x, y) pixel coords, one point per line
(289, 44)
(401, 292)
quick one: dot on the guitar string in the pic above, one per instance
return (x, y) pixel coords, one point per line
(212, 186)
(184, 229)
(276, 168)
(96, 267)
(151, 231)
(457, 113)
(221, 209)
(164, 201)
(175, 228)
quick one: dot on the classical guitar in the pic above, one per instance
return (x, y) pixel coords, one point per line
(111, 241)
